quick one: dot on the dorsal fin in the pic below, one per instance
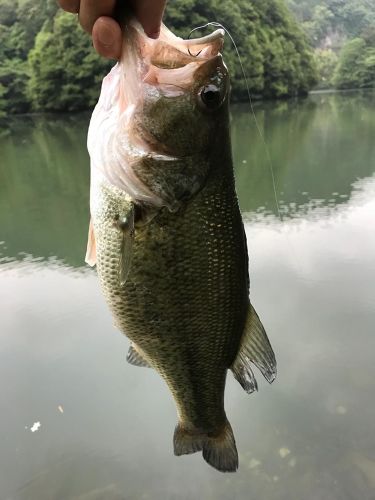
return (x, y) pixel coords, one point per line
(256, 349)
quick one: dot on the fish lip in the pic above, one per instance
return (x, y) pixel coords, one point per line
(218, 34)
(206, 46)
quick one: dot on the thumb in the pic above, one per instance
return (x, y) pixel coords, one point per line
(150, 14)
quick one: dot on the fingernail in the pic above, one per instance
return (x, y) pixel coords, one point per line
(105, 35)
(154, 34)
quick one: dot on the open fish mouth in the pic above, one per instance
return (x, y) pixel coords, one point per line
(174, 52)
(170, 63)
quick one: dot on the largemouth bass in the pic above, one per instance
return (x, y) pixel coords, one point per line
(166, 231)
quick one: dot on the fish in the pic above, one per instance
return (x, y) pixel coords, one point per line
(166, 232)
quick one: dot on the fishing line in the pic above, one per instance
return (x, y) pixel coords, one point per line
(268, 155)
(269, 159)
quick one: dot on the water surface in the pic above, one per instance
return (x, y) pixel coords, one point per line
(106, 427)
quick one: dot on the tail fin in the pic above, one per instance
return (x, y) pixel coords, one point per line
(187, 441)
(219, 450)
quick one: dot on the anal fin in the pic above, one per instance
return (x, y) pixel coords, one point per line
(255, 349)
(134, 358)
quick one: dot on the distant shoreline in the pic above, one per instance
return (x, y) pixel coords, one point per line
(256, 101)
(339, 91)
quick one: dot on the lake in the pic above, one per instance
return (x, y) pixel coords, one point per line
(79, 423)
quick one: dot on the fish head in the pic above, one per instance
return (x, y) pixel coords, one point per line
(162, 115)
(175, 90)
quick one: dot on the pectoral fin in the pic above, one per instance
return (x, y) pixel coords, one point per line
(90, 258)
(125, 224)
(255, 348)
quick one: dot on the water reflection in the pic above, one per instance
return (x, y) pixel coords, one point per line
(318, 149)
(316, 157)
(44, 188)
(310, 435)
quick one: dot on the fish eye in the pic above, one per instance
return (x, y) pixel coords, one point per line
(211, 97)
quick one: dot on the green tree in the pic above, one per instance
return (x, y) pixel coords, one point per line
(320, 24)
(13, 82)
(32, 16)
(8, 15)
(20, 21)
(321, 17)
(326, 62)
(369, 72)
(330, 25)
(65, 71)
(13, 74)
(356, 66)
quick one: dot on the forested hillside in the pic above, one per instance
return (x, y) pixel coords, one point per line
(343, 35)
(47, 62)
(338, 20)
(276, 56)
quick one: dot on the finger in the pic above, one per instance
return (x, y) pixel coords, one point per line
(107, 38)
(150, 13)
(70, 5)
(91, 10)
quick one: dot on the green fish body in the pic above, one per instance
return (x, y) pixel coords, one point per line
(168, 239)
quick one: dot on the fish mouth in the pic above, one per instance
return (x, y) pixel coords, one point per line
(170, 63)
(181, 52)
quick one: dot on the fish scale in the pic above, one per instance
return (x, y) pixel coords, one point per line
(191, 346)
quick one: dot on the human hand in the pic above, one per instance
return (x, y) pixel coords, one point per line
(96, 18)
